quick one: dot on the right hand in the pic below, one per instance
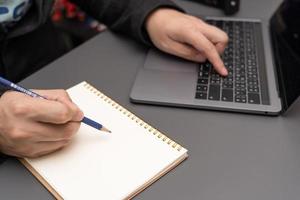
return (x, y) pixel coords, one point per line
(188, 37)
(31, 127)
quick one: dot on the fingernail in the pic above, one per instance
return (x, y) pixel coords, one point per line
(224, 72)
(80, 116)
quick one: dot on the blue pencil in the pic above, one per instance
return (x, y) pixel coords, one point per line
(12, 86)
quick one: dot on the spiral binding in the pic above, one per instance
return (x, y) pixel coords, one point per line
(134, 118)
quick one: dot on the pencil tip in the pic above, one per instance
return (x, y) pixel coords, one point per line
(105, 129)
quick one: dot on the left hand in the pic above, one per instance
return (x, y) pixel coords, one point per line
(187, 37)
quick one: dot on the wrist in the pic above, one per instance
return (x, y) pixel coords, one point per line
(157, 16)
(148, 12)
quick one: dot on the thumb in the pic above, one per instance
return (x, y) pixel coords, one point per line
(61, 96)
(77, 113)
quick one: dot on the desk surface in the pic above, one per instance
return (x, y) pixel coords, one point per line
(232, 156)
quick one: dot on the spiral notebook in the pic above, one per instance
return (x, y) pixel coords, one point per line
(110, 166)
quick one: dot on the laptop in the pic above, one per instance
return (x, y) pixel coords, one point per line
(264, 76)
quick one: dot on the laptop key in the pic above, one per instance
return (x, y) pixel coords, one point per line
(253, 98)
(203, 81)
(214, 92)
(202, 88)
(240, 99)
(201, 95)
(227, 85)
(203, 74)
(240, 92)
(206, 67)
(227, 95)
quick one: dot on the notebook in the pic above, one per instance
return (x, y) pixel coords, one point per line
(99, 165)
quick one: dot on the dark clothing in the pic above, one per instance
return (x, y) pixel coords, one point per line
(2, 158)
(33, 42)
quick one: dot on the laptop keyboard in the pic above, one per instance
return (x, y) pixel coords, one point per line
(242, 85)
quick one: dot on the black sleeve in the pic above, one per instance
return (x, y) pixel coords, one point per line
(2, 158)
(2, 90)
(126, 16)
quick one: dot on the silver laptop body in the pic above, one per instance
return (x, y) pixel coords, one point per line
(171, 81)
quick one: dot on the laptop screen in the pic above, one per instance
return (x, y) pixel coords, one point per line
(285, 33)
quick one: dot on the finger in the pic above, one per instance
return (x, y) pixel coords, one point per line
(218, 37)
(43, 148)
(59, 111)
(185, 51)
(57, 95)
(78, 114)
(50, 111)
(39, 109)
(45, 132)
(202, 44)
(214, 57)
(44, 153)
(53, 94)
(24, 106)
(63, 97)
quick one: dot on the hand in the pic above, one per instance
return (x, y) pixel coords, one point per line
(31, 127)
(187, 37)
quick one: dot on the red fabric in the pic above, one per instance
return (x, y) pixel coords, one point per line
(65, 9)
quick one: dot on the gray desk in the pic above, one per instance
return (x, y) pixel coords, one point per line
(254, 158)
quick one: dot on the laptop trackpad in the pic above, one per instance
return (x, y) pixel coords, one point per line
(165, 78)
(157, 60)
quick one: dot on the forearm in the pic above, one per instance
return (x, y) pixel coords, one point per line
(126, 16)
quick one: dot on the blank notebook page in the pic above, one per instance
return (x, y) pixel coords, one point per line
(99, 165)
